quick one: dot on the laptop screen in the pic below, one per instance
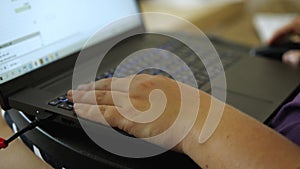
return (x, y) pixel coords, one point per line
(34, 33)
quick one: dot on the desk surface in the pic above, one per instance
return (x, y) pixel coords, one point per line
(17, 155)
(233, 22)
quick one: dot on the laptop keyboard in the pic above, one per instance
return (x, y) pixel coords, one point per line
(227, 57)
(62, 102)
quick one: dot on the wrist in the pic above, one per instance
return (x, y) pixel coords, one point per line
(192, 138)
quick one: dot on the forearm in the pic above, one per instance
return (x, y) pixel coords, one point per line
(240, 142)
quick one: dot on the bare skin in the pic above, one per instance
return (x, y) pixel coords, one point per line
(238, 142)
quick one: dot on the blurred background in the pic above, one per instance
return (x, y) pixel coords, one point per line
(250, 22)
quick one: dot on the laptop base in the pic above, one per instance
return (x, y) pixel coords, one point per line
(59, 148)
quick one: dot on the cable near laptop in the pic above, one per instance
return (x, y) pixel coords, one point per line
(39, 119)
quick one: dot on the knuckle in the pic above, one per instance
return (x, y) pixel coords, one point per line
(105, 86)
(89, 113)
(143, 75)
(103, 83)
(146, 132)
(127, 110)
(92, 85)
(146, 84)
(126, 125)
(99, 99)
(102, 109)
(135, 96)
(152, 131)
(77, 95)
(109, 116)
(161, 77)
(100, 96)
(105, 113)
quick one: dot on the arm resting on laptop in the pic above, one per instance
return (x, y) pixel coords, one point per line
(238, 142)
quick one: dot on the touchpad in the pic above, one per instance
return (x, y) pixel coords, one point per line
(255, 107)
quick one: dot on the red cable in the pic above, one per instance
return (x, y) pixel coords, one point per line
(2, 143)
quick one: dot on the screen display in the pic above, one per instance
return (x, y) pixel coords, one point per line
(34, 33)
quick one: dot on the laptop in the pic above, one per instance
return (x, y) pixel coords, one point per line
(40, 42)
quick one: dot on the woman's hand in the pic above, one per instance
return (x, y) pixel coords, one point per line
(291, 57)
(113, 98)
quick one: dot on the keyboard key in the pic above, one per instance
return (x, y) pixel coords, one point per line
(66, 106)
(62, 98)
(54, 102)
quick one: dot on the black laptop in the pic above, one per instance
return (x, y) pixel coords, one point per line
(40, 42)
